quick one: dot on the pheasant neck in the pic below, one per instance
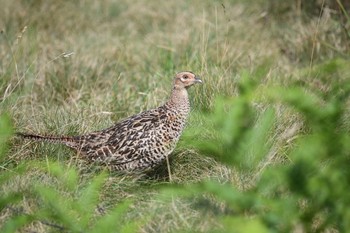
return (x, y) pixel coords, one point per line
(179, 101)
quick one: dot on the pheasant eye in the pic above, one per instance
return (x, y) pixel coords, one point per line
(185, 77)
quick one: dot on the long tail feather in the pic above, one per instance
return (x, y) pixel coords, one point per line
(52, 139)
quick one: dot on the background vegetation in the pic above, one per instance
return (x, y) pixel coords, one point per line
(266, 147)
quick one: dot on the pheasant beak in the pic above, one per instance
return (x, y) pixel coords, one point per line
(197, 79)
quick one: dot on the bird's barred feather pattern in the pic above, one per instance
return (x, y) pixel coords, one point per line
(139, 142)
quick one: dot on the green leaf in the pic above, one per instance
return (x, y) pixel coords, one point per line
(10, 198)
(242, 224)
(14, 224)
(6, 131)
(57, 208)
(67, 176)
(113, 221)
(89, 199)
(256, 143)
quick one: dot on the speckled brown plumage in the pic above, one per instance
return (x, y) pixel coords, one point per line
(139, 142)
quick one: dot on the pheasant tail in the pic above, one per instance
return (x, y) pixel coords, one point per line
(53, 139)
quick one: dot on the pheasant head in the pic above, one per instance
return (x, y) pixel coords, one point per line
(185, 80)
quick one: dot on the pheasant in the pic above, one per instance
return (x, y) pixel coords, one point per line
(140, 142)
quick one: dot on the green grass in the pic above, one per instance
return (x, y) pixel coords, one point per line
(69, 68)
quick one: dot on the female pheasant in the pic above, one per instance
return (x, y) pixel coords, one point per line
(137, 143)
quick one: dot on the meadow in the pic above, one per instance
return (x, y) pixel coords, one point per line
(266, 148)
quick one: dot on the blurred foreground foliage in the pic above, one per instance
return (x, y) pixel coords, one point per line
(308, 192)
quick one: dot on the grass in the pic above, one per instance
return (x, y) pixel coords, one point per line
(69, 68)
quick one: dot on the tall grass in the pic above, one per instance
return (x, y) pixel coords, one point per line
(273, 109)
